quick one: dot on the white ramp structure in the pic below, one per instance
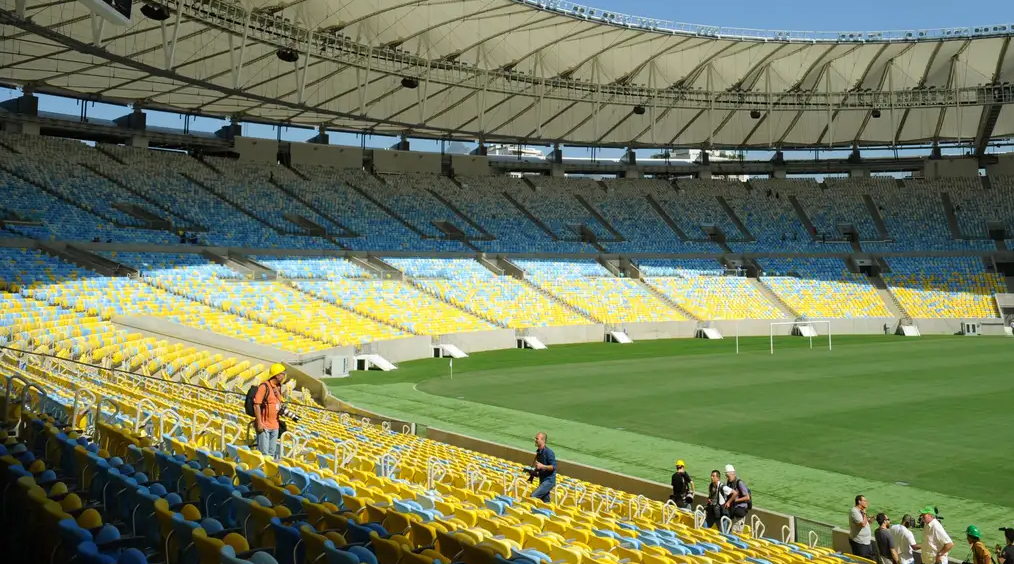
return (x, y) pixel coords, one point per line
(371, 361)
(530, 342)
(452, 351)
(618, 337)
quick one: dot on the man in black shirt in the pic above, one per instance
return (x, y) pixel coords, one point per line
(887, 553)
(1006, 555)
(683, 487)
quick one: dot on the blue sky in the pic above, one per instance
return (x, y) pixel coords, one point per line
(791, 15)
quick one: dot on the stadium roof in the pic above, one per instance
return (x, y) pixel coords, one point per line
(529, 71)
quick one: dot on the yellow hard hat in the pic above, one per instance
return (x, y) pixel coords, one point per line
(681, 463)
(276, 369)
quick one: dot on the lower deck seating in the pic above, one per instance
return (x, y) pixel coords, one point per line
(945, 287)
(823, 288)
(717, 297)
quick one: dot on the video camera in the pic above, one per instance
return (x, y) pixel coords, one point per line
(532, 473)
(285, 412)
(936, 513)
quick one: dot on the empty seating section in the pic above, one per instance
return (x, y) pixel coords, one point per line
(409, 195)
(769, 217)
(482, 199)
(914, 216)
(717, 297)
(680, 267)
(625, 206)
(1001, 199)
(31, 268)
(973, 206)
(822, 288)
(250, 185)
(57, 165)
(696, 205)
(841, 202)
(555, 204)
(166, 264)
(399, 304)
(330, 190)
(952, 287)
(319, 268)
(160, 176)
(469, 285)
(589, 287)
(285, 307)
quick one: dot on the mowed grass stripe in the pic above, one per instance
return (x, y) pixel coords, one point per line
(809, 428)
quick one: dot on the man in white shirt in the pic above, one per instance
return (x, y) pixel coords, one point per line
(904, 540)
(935, 541)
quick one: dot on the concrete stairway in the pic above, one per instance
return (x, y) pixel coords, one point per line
(535, 221)
(952, 218)
(774, 298)
(394, 215)
(889, 299)
(598, 217)
(667, 300)
(150, 220)
(259, 271)
(666, 218)
(878, 221)
(460, 307)
(387, 272)
(464, 217)
(560, 301)
(803, 217)
(735, 219)
(85, 259)
(350, 309)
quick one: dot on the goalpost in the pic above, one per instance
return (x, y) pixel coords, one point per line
(805, 330)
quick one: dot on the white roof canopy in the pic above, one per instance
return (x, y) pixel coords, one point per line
(507, 70)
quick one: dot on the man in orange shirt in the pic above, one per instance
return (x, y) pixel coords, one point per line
(267, 403)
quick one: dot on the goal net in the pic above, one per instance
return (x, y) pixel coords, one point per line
(813, 331)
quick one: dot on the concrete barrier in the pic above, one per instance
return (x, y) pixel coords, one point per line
(773, 522)
(569, 334)
(402, 350)
(492, 340)
(951, 326)
(660, 330)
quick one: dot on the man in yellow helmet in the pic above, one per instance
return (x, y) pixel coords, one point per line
(267, 402)
(682, 486)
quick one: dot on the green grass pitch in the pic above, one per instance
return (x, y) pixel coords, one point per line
(807, 429)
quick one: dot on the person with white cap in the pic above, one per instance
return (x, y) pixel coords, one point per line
(740, 502)
(682, 486)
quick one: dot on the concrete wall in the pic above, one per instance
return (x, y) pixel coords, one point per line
(470, 165)
(401, 350)
(773, 522)
(950, 168)
(952, 326)
(496, 339)
(570, 334)
(256, 150)
(661, 330)
(325, 155)
(406, 161)
(1003, 167)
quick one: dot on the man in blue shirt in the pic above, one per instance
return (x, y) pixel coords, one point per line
(545, 468)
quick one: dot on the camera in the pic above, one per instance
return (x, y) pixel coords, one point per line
(936, 513)
(285, 412)
(532, 473)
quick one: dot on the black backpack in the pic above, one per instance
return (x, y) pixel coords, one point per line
(749, 502)
(251, 395)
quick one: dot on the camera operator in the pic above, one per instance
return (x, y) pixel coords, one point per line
(936, 543)
(980, 554)
(682, 487)
(267, 405)
(718, 494)
(1006, 555)
(544, 468)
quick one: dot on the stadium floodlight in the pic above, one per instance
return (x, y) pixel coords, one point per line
(805, 329)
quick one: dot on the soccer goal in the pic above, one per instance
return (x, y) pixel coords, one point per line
(802, 329)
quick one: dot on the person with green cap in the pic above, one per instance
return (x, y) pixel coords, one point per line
(980, 553)
(936, 543)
